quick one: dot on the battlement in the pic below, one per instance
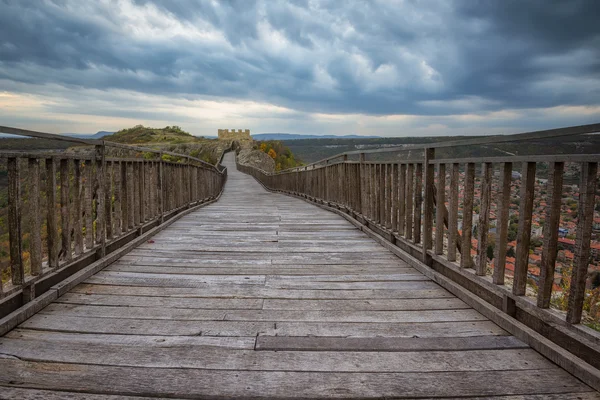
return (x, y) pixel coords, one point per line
(226, 134)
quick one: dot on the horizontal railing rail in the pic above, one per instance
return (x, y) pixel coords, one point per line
(496, 225)
(66, 210)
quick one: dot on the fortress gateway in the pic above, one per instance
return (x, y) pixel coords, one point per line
(226, 134)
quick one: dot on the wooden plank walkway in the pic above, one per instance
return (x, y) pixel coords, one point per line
(264, 296)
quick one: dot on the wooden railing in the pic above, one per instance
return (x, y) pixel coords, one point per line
(426, 206)
(68, 209)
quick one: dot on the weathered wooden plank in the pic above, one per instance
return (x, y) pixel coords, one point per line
(502, 224)
(175, 302)
(365, 305)
(35, 394)
(147, 341)
(255, 291)
(56, 309)
(550, 233)
(133, 326)
(216, 358)
(174, 382)
(383, 344)
(524, 230)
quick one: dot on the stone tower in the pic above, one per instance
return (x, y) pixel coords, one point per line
(226, 134)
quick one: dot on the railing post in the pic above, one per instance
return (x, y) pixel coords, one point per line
(467, 219)
(524, 229)
(484, 218)
(502, 224)
(440, 210)
(361, 184)
(585, 218)
(52, 226)
(14, 222)
(550, 233)
(65, 210)
(428, 204)
(100, 209)
(161, 195)
(34, 202)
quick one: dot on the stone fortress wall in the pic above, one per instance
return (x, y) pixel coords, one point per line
(226, 134)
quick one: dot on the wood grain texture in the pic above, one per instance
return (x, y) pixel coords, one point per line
(264, 296)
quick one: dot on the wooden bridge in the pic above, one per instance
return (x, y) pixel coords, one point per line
(195, 292)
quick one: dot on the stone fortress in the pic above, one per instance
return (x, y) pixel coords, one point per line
(226, 134)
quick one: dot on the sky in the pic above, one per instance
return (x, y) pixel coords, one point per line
(373, 67)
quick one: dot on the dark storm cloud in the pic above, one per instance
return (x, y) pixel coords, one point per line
(411, 57)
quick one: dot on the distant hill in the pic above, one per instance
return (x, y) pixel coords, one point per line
(311, 150)
(296, 136)
(97, 135)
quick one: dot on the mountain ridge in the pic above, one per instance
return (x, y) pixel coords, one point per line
(297, 136)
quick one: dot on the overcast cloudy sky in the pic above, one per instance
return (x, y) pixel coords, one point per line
(393, 68)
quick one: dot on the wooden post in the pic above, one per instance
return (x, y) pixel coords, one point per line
(550, 232)
(88, 200)
(135, 173)
(124, 198)
(418, 202)
(117, 176)
(402, 200)
(14, 222)
(131, 205)
(381, 194)
(52, 224)
(467, 221)
(453, 213)
(161, 196)
(141, 191)
(585, 218)
(394, 199)
(524, 230)
(428, 203)
(77, 199)
(502, 224)
(108, 196)
(361, 184)
(440, 209)
(484, 218)
(409, 201)
(65, 210)
(34, 203)
(100, 207)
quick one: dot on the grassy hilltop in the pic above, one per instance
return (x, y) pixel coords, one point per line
(171, 138)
